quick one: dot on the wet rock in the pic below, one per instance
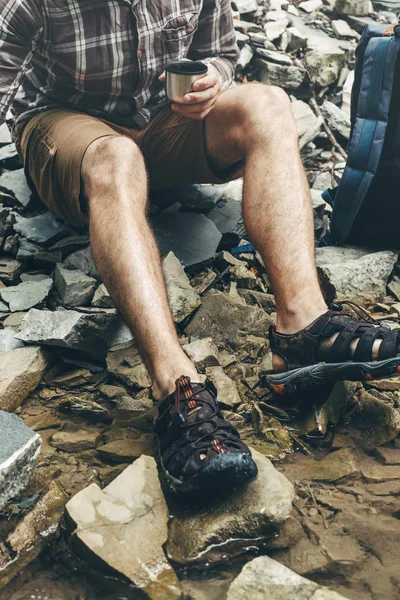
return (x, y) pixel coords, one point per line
(266, 579)
(227, 525)
(19, 449)
(335, 466)
(226, 321)
(75, 439)
(127, 365)
(75, 288)
(102, 298)
(32, 534)
(228, 395)
(26, 295)
(289, 78)
(203, 353)
(8, 341)
(354, 274)
(192, 237)
(10, 269)
(124, 527)
(128, 450)
(337, 120)
(183, 300)
(89, 333)
(371, 422)
(82, 260)
(20, 372)
(43, 229)
(14, 183)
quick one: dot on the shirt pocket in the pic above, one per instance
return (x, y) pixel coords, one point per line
(177, 35)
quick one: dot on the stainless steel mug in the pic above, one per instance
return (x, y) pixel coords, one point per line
(180, 76)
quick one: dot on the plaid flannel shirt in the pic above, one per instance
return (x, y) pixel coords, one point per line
(104, 57)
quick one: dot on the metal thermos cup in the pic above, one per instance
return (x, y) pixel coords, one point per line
(180, 76)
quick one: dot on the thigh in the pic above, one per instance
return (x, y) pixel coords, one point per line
(175, 151)
(52, 146)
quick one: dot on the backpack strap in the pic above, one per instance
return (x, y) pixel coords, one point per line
(366, 144)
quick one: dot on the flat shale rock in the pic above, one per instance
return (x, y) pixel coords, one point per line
(20, 373)
(203, 353)
(89, 333)
(127, 365)
(254, 512)
(75, 288)
(75, 439)
(10, 269)
(333, 467)
(32, 534)
(26, 295)
(226, 321)
(43, 229)
(354, 274)
(125, 526)
(183, 299)
(289, 78)
(266, 579)
(102, 298)
(124, 451)
(337, 120)
(14, 182)
(228, 395)
(19, 449)
(192, 237)
(82, 260)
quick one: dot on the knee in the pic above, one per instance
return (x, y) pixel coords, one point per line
(265, 110)
(111, 162)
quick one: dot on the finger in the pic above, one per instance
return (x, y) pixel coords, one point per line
(194, 98)
(195, 108)
(209, 80)
(162, 76)
(200, 116)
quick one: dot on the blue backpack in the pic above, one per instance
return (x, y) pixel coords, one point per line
(366, 203)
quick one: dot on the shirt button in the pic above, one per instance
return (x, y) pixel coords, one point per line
(139, 54)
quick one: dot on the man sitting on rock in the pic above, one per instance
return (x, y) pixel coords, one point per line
(95, 131)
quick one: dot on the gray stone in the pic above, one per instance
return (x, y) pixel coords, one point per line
(310, 6)
(183, 300)
(43, 229)
(14, 320)
(20, 373)
(14, 183)
(352, 7)
(26, 295)
(8, 153)
(89, 333)
(343, 30)
(11, 245)
(226, 321)
(5, 135)
(133, 412)
(27, 249)
(102, 298)
(337, 120)
(274, 29)
(227, 216)
(125, 527)
(200, 197)
(75, 439)
(306, 122)
(192, 237)
(353, 273)
(246, 54)
(266, 579)
(203, 353)
(296, 39)
(70, 244)
(228, 395)
(8, 341)
(74, 287)
(10, 269)
(127, 365)
(228, 525)
(246, 6)
(82, 260)
(275, 57)
(19, 449)
(289, 78)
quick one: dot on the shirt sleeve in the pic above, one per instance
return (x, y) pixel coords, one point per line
(20, 28)
(215, 39)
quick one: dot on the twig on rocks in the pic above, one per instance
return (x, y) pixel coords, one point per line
(316, 505)
(332, 139)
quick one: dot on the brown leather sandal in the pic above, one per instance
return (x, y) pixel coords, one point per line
(311, 360)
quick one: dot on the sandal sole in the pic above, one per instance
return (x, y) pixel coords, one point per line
(305, 378)
(228, 470)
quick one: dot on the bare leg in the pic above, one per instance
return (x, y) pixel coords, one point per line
(126, 254)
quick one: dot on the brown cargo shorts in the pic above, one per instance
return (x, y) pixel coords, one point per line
(52, 146)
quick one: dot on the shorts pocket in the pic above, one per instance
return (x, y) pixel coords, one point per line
(177, 35)
(42, 153)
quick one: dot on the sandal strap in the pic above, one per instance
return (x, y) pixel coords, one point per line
(388, 348)
(363, 352)
(341, 346)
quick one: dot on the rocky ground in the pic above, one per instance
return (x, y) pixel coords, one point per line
(83, 513)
